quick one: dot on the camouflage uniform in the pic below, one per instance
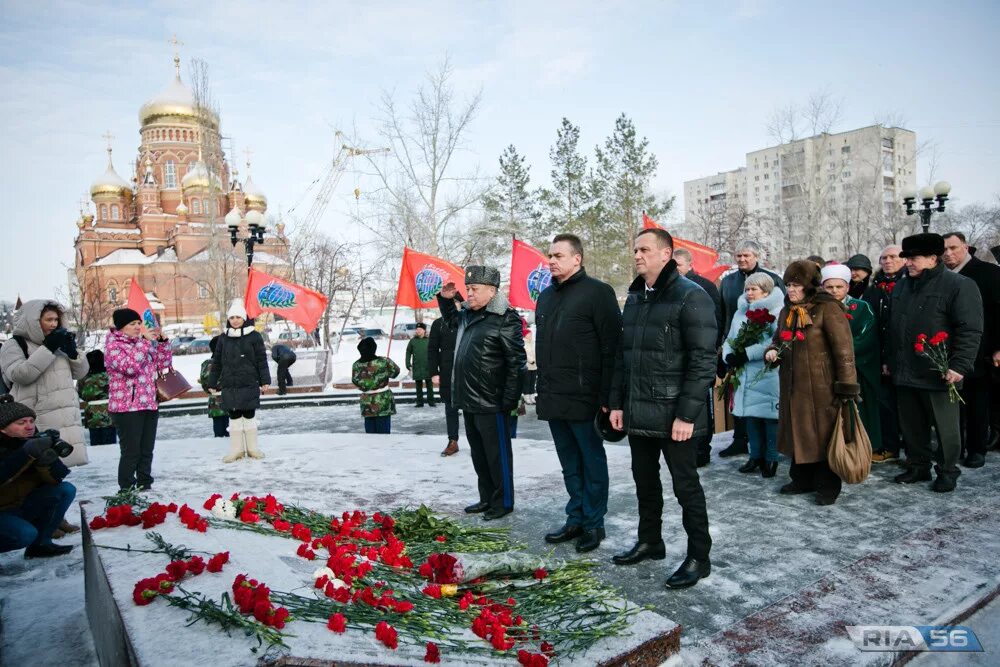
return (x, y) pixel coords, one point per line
(371, 376)
(93, 389)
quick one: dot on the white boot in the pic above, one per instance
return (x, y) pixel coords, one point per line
(236, 447)
(250, 437)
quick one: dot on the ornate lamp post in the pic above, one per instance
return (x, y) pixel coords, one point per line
(255, 227)
(928, 195)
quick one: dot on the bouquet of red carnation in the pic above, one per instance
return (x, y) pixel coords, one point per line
(457, 568)
(753, 331)
(786, 337)
(936, 349)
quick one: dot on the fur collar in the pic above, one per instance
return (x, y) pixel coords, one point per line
(498, 305)
(243, 331)
(772, 302)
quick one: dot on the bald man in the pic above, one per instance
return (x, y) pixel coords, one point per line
(892, 270)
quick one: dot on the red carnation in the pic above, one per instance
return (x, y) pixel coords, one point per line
(196, 565)
(548, 649)
(432, 590)
(918, 348)
(441, 538)
(337, 622)
(785, 335)
(98, 522)
(921, 337)
(541, 573)
(281, 525)
(210, 503)
(216, 562)
(799, 335)
(433, 654)
(177, 569)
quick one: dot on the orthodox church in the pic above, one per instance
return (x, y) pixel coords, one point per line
(169, 226)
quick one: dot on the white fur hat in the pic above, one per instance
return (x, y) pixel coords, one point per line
(236, 309)
(836, 271)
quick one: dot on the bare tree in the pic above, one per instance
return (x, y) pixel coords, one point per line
(421, 200)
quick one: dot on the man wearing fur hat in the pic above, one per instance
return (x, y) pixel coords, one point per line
(929, 301)
(486, 382)
(33, 497)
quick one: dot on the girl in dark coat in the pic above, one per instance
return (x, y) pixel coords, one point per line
(240, 372)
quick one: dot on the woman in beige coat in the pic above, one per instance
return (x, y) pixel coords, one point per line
(815, 350)
(41, 364)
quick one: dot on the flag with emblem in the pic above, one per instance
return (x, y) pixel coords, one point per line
(529, 275)
(703, 258)
(270, 294)
(138, 302)
(421, 278)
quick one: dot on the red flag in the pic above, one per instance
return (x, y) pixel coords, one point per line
(529, 275)
(716, 271)
(703, 258)
(421, 278)
(301, 305)
(138, 302)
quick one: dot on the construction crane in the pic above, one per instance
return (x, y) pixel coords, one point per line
(329, 180)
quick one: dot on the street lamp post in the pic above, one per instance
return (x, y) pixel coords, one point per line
(255, 227)
(928, 196)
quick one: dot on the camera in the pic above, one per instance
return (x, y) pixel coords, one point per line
(63, 448)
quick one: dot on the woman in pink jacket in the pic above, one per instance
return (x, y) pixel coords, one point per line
(132, 357)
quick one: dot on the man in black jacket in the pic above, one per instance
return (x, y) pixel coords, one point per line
(664, 365)
(747, 262)
(929, 301)
(578, 324)
(486, 382)
(976, 389)
(284, 356)
(684, 267)
(440, 357)
(892, 271)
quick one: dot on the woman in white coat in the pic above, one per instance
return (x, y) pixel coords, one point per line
(41, 364)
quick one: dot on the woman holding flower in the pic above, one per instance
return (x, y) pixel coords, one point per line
(754, 399)
(864, 331)
(815, 352)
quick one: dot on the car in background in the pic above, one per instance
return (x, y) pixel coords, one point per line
(293, 338)
(179, 345)
(404, 331)
(199, 346)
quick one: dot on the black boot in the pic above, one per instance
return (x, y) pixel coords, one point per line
(913, 474)
(640, 552)
(47, 550)
(494, 513)
(689, 573)
(794, 488)
(974, 460)
(752, 465)
(476, 508)
(769, 469)
(564, 534)
(590, 540)
(734, 449)
(946, 480)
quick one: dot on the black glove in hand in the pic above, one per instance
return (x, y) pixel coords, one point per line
(55, 339)
(69, 346)
(40, 449)
(720, 368)
(736, 359)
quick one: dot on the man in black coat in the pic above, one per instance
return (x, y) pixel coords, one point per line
(486, 382)
(684, 267)
(284, 356)
(892, 271)
(440, 357)
(664, 365)
(929, 301)
(577, 324)
(747, 262)
(977, 387)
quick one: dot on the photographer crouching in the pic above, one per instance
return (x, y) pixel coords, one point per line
(33, 497)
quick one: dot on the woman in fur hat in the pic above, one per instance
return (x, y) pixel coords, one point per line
(239, 370)
(815, 350)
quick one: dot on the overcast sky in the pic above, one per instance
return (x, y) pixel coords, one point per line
(699, 80)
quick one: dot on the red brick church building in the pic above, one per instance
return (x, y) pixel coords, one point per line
(167, 223)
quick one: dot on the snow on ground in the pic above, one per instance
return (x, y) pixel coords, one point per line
(767, 547)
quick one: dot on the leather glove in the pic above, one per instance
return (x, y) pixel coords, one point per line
(720, 368)
(55, 339)
(40, 449)
(736, 359)
(69, 346)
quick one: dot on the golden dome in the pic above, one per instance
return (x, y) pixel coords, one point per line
(175, 101)
(198, 177)
(110, 183)
(181, 209)
(253, 194)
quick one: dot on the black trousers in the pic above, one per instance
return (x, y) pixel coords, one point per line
(816, 477)
(975, 414)
(450, 412)
(681, 458)
(420, 391)
(220, 427)
(705, 441)
(888, 412)
(284, 377)
(136, 438)
(740, 436)
(919, 410)
(492, 457)
(247, 414)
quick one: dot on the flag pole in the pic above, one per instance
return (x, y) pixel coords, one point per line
(393, 325)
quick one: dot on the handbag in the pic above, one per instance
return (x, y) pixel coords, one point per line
(850, 452)
(170, 384)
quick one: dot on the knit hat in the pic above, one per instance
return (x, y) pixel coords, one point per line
(95, 359)
(840, 271)
(859, 262)
(11, 411)
(124, 316)
(236, 309)
(482, 275)
(367, 348)
(421, 325)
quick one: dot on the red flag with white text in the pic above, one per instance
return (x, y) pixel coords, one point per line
(422, 276)
(138, 302)
(267, 293)
(529, 275)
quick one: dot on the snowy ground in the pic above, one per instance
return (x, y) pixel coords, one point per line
(767, 549)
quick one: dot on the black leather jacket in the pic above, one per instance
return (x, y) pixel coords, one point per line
(666, 359)
(489, 360)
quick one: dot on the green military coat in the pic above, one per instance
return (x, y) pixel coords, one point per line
(864, 330)
(93, 389)
(416, 358)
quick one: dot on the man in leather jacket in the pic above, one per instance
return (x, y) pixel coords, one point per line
(664, 365)
(486, 382)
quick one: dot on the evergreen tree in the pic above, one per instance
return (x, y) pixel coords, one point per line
(568, 198)
(510, 206)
